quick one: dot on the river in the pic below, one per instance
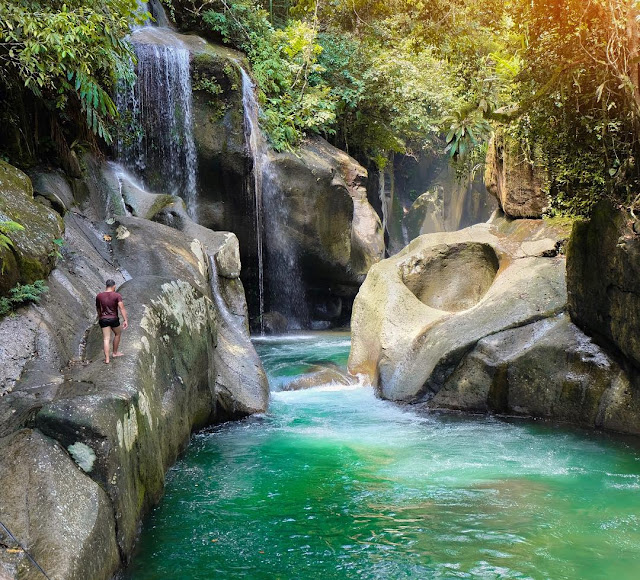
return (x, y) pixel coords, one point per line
(335, 484)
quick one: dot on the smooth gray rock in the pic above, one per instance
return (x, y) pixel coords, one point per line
(53, 186)
(546, 369)
(420, 312)
(62, 517)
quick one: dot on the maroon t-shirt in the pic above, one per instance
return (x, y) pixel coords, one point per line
(107, 304)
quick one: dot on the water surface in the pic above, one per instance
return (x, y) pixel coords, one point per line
(335, 484)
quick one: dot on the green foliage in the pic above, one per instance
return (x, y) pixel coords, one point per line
(293, 97)
(578, 100)
(57, 250)
(21, 295)
(68, 53)
(6, 227)
(374, 91)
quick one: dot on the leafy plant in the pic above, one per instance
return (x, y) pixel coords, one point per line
(57, 250)
(22, 294)
(68, 53)
(7, 227)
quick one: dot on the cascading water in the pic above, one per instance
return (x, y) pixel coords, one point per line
(286, 290)
(255, 143)
(275, 247)
(383, 199)
(157, 141)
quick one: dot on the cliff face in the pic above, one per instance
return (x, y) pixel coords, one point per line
(519, 184)
(96, 440)
(603, 278)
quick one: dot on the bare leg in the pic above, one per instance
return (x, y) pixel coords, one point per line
(116, 341)
(106, 342)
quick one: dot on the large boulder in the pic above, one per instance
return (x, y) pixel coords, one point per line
(518, 183)
(188, 362)
(316, 209)
(603, 278)
(55, 511)
(419, 312)
(544, 369)
(32, 253)
(476, 321)
(146, 248)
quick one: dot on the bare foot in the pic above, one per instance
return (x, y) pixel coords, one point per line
(117, 354)
(106, 362)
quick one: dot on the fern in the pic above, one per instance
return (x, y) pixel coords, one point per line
(96, 104)
(6, 227)
(22, 294)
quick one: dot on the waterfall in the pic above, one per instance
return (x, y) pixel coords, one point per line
(383, 199)
(286, 290)
(282, 284)
(255, 143)
(156, 141)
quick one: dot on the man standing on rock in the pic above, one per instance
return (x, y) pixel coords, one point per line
(107, 304)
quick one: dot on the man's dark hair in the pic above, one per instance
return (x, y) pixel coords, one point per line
(110, 283)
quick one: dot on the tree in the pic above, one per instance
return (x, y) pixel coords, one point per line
(68, 54)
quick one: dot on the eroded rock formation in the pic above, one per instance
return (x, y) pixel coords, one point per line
(476, 320)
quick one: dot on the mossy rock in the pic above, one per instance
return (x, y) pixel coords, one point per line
(33, 253)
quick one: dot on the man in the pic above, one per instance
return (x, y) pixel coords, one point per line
(107, 304)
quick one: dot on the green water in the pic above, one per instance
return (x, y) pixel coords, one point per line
(335, 484)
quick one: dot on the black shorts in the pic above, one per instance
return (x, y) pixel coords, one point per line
(112, 322)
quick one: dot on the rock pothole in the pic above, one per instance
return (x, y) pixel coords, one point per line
(453, 277)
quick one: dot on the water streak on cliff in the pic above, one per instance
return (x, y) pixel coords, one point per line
(255, 143)
(280, 283)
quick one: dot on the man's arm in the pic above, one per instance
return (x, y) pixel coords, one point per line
(98, 307)
(125, 324)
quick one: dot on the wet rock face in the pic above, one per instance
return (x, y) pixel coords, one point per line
(32, 256)
(224, 164)
(335, 232)
(603, 274)
(517, 183)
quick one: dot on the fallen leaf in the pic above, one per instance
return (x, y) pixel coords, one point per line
(106, 238)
